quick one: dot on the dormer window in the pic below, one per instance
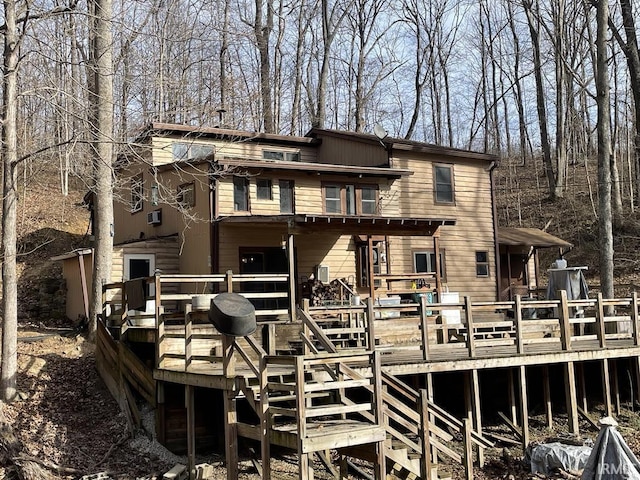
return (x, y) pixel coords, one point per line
(281, 155)
(190, 151)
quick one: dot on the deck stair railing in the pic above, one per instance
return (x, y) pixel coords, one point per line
(411, 420)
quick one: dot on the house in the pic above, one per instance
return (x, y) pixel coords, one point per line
(387, 217)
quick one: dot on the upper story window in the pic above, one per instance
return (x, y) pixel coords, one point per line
(137, 193)
(482, 264)
(241, 194)
(264, 188)
(190, 151)
(281, 155)
(286, 188)
(186, 195)
(443, 183)
(350, 199)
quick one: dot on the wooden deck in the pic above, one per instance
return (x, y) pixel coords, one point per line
(295, 372)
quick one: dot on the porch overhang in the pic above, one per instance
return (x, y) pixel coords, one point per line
(530, 237)
(347, 225)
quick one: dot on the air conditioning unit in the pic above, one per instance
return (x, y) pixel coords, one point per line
(155, 217)
(322, 273)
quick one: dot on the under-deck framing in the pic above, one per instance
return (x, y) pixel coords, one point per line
(327, 378)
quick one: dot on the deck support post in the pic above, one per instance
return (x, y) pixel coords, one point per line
(432, 418)
(306, 466)
(524, 405)
(582, 386)
(546, 391)
(571, 397)
(606, 388)
(615, 386)
(513, 409)
(230, 409)
(191, 430)
(477, 413)
(292, 276)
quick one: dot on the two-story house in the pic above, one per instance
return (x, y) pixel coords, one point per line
(330, 205)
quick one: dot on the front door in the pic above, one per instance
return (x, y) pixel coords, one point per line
(265, 260)
(139, 265)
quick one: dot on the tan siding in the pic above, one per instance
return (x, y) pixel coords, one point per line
(337, 252)
(234, 236)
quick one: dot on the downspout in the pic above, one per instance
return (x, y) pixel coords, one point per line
(496, 245)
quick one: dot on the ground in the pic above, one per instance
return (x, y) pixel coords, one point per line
(66, 417)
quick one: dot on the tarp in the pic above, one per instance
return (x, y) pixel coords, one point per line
(547, 457)
(611, 458)
(569, 279)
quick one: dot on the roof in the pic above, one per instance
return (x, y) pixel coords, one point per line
(348, 224)
(407, 145)
(316, 167)
(530, 237)
(223, 133)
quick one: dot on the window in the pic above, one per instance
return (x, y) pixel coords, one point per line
(241, 194)
(281, 155)
(369, 200)
(264, 189)
(186, 195)
(332, 199)
(189, 151)
(426, 262)
(482, 264)
(137, 193)
(350, 199)
(286, 196)
(443, 183)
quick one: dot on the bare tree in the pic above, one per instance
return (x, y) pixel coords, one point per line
(605, 235)
(101, 108)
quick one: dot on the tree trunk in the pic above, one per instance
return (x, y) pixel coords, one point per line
(604, 153)
(101, 94)
(540, 97)
(8, 385)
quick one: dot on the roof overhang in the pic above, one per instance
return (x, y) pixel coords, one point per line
(315, 168)
(347, 225)
(529, 237)
(80, 252)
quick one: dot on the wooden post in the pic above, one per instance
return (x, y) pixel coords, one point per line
(380, 468)
(600, 329)
(425, 464)
(161, 346)
(606, 388)
(370, 273)
(468, 448)
(305, 328)
(265, 423)
(191, 430)
(229, 281)
(436, 252)
(292, 276)
(570, 394)
(228, 359)
(85, 293)
(477, 413)
(370, 323)
(582, 386)
(565, 323)
(231, 434)
(524, 401)
(635, 318)
(513, 409)
(432, 418)
(471, 343)
(306, 469)
(423, 326)
(188, 336)
(615, 386)
(546, 391)
(518, 324)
